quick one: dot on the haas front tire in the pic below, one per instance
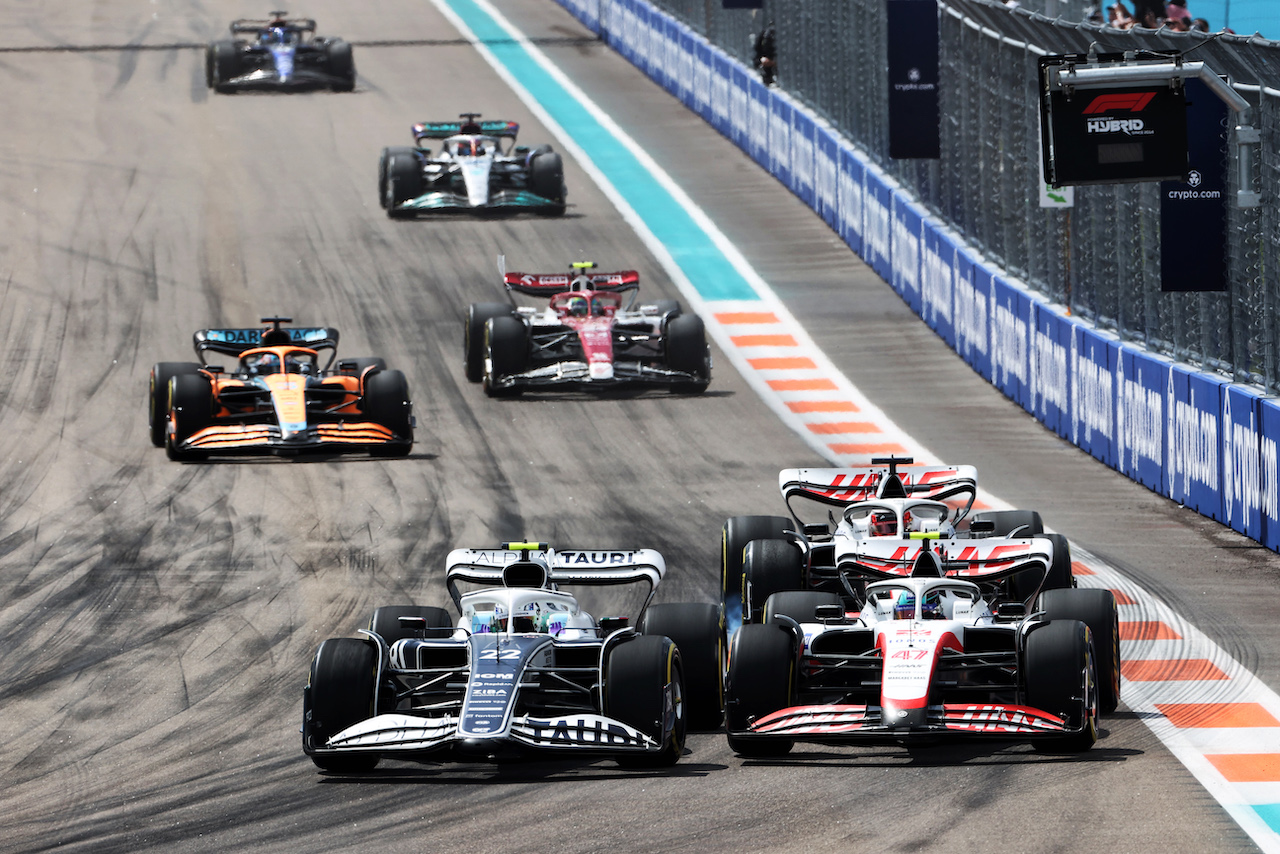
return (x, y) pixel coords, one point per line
(761, 675)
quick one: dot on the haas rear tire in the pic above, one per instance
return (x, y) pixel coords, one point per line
(637, 678)
(339, 694)
(737, 532)
(1097, 610)
(768, 567)
(800, 605)
(697, 629)
(761, 675)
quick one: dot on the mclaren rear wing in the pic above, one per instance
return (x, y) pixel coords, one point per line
(233, 342)
(574, 566)
(844, 486)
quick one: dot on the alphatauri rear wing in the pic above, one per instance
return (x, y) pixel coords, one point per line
(538, 565)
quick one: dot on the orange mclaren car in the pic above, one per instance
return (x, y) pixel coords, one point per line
(279, 398)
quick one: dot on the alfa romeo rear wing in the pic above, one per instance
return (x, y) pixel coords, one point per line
(839, 487)
(546, 284)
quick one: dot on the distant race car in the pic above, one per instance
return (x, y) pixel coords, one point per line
(585, 337)
(896, 521)
(279, 399)
(279, 53)
(523, 670)
(478, 168)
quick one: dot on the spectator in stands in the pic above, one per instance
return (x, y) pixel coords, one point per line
(1200, 25)
(1176, 10)
(766, 53)
(1118, 16)
(1148, 13)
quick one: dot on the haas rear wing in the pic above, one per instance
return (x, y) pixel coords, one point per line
(444, 130)
(546, 284)
(973, 560)
(514, 565)
(841, 487)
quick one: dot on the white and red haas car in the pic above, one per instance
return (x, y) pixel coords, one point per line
(587, 336)
(925, 655)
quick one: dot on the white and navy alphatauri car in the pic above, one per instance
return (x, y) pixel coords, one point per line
(522, 670)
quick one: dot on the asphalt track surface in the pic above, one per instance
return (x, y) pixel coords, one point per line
(157, 620)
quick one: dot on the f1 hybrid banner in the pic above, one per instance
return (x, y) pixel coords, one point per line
(1193, 213)
(913, 79)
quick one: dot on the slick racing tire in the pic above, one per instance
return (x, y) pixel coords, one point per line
(384, 167)
(158, 396)
(635, 692)
(800, 605)
(688, 353)
(222, 63)
(1097, 610)
(339, 694)
(1061, 679)
(506, 344)
(768, 567)
(668, 308)
(386, 402)
(1026, 522)
(760, 682)
(737, 532)
(1027, 583)
(385, 622)
(478, 315)
(697, 629)
(404, 180)
(361, 363)
(191, 410)
(340, 64)
(546, 179)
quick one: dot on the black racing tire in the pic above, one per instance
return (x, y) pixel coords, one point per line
(1024, 585)
(384, 163)
(635, 692)
(737, 532)
(385, 622)
(687, 351)
(222, 63)
(506, 344)
(339, 694)
(546, 179)
(697, 629)
(669, 308)
(340, 64)
(761, 681)
(386, 401)
(191, 408)
(478, 314)
(362, 363)
(158, 396)
(404, 180)
(1095, 608)
(1008, 521)
(800, 605)
(769, 567)
(1060, 678)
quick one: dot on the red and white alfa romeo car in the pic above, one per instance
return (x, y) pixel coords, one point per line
(585, 337)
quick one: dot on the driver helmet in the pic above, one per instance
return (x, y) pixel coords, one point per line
(908, 521)
(264, 364)
(931, 607)
(297, 364)
(883, 524)
(577, 306)
(905, 606)
(273, 35)
(600, 306)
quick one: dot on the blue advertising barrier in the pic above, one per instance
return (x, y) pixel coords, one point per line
(779, 138)
(937, 268)
(1269, 439)
(876, 226)
(1241, 462)
(1191, 436)
(1049, 377)
(971, 294)
(904, 250)
(826, 176)
(802, 158)
(1193, 472)
(1010, 341)
(850, 192)
(1141, 382)
(1093, 370)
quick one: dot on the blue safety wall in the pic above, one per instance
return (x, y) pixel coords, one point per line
(1193, 437)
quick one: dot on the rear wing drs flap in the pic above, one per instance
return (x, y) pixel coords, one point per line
(973, 560)
(250, 25)
(839, 487)
(585, 567)
(546, 284)
(233, 342)
(444, 130)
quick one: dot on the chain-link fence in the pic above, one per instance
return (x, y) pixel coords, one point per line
(1102, 257)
